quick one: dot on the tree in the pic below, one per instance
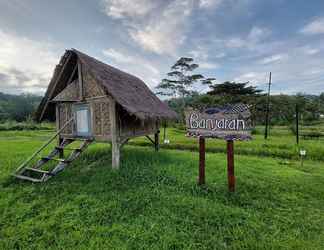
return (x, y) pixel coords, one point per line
(233, 88)
(235, 92)
(181, 81)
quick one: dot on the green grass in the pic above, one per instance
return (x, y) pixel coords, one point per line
(153, 201)
(281, 143)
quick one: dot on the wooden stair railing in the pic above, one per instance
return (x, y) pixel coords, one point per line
(22, 166)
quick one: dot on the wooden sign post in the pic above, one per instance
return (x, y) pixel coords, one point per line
(232, 122)
(230, 166)
(202, 153)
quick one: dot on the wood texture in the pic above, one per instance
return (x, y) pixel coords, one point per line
(230, 166)
(202, 153)
(115, 145)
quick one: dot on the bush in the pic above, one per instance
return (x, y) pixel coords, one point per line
(28, 125)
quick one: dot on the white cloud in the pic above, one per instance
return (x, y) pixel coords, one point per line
(208, 65)
(117, 56)
(255, 36)
(163, 33)
(254, 78)
(124, 8)
(273, 59)
(27, 64)
(135, 64)
(156, 26)
(209, 3)
(314, 27)
(310, 51)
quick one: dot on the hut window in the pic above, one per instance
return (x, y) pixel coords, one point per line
(83, 121)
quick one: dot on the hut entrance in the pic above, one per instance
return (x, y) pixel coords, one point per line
(83, 120)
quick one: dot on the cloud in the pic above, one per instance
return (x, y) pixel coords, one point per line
(209, 3)
(27, 64)
(117, 56)
(123, 8)
(156, 26)
(254, 78)
(273, 59)
(315, 27)
(164, 33)
(208, 65)
(135, 64)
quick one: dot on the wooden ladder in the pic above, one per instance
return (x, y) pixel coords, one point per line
(37, 173)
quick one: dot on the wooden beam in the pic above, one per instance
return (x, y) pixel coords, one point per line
(157, 140)
(80, 80)
(73, 73)
(115, 144)
(54, 87)
(150, 139)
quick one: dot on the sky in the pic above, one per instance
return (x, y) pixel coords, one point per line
(231, 40)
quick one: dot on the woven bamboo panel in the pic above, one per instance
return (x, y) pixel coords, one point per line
(65, 114)
(101, 117)
(105, 118)
(90, 87)
(97, 118)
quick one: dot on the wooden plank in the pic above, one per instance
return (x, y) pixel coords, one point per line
(73, 73)
(54, 87)
(157, 140)
(23, 177)
(202, 153)
(38, 170)
(80, 80)
(230, 166)
(150, 139)
(42, 147)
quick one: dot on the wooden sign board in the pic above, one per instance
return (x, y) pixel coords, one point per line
(232, 122)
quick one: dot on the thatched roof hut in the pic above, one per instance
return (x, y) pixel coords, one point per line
(96, 101)
(128, 91)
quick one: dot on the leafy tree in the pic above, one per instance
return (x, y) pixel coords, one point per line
(233, 88)
(180, 80)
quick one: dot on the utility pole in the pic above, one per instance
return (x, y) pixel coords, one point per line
(267, 129)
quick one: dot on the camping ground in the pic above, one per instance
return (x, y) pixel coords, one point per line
(153, 201)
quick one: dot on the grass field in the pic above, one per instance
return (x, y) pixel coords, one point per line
(153, 201)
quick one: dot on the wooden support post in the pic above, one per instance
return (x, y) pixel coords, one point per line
(80, 81)
(202, 152)
(230, 166)
(157, 140)
(61, 150)
(115, 144)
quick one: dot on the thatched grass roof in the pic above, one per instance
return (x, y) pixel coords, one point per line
(128, 91)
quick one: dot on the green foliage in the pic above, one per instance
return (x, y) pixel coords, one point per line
(17, 107)
(28, 125)
(180, 80)
(233, 89)
(280, 144)
(153, 202)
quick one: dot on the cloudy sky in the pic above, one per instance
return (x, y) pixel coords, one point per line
(239, 40)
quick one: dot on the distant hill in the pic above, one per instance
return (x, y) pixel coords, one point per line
(17, 107)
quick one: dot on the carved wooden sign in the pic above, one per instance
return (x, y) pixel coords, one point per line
(231, 122)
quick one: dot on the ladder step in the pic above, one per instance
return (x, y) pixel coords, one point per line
(38, 170)
(60, 148)
(55, 159)
(23, 177)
